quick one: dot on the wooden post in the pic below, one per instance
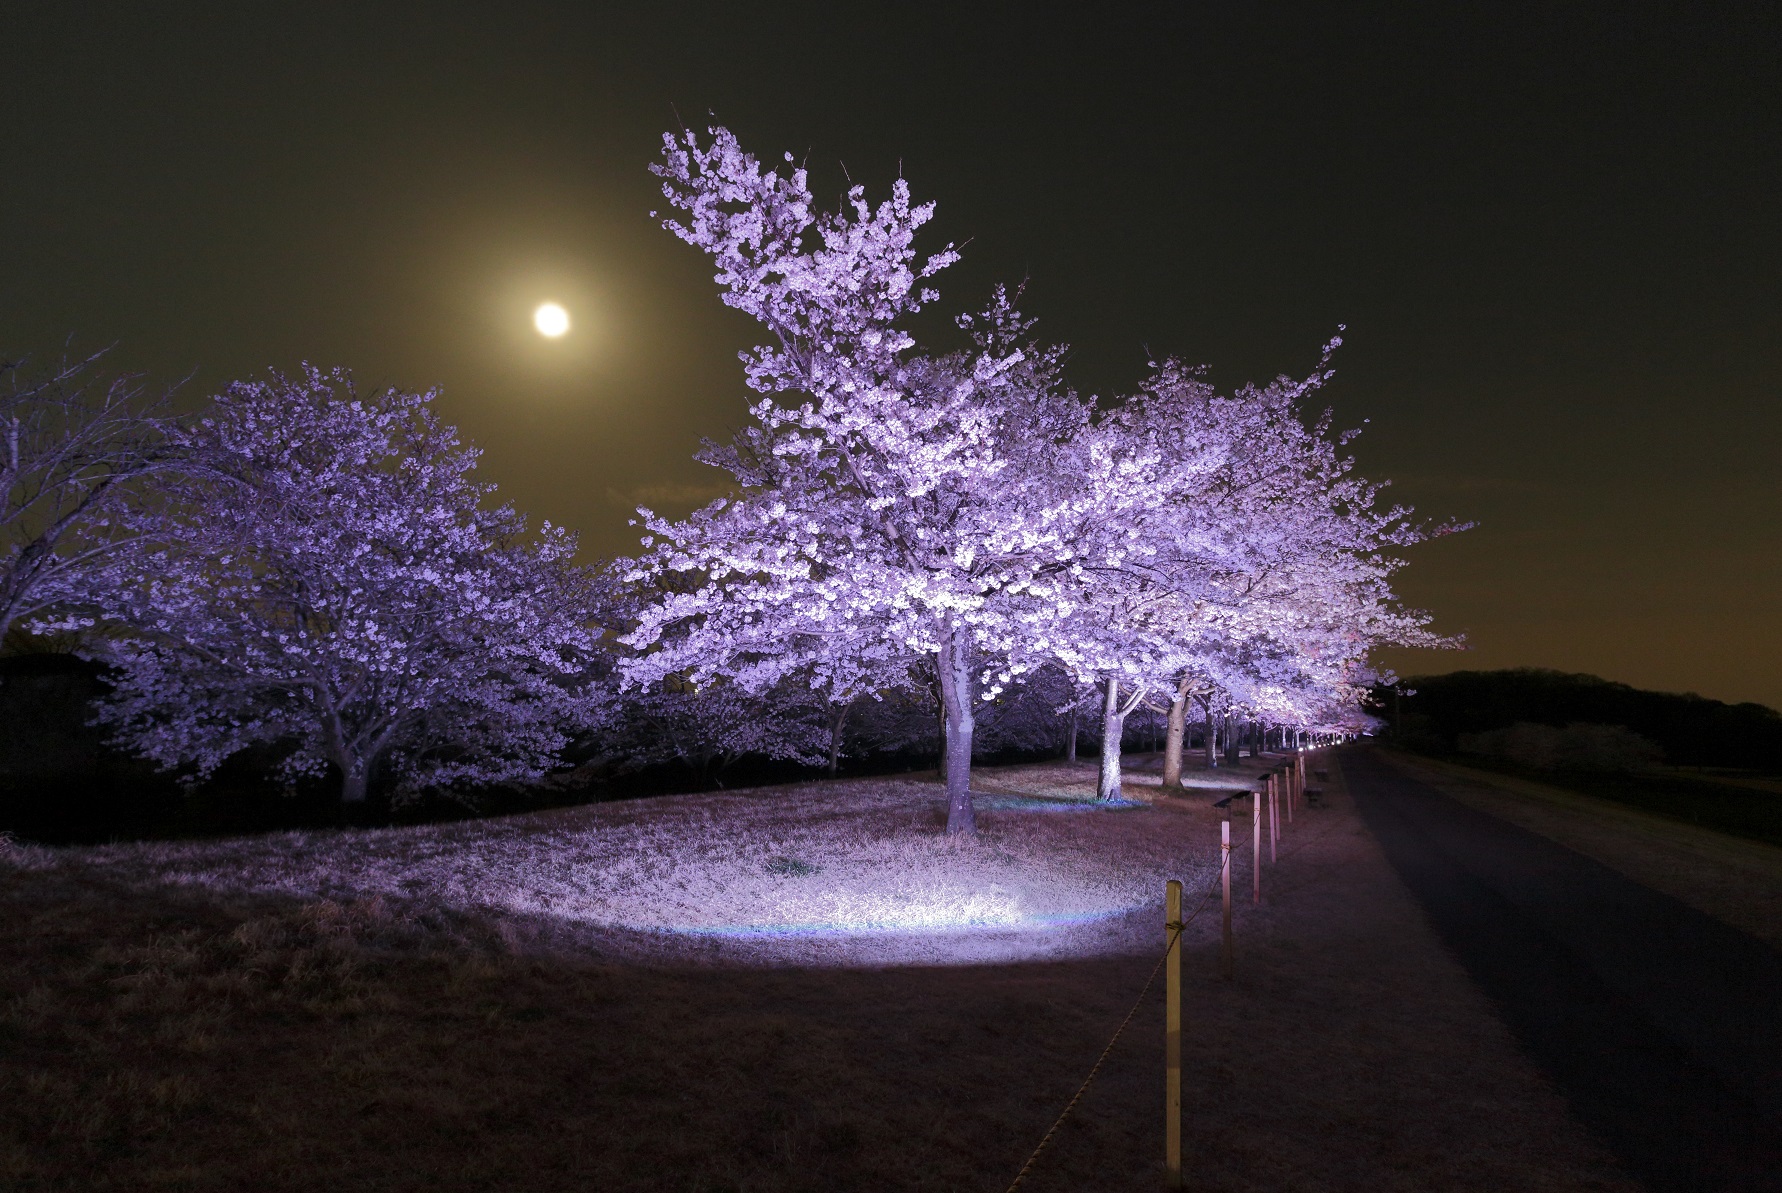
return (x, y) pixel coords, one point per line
(1225, 882)
(1274, 818)
(1172, 1036)
(1256, 847)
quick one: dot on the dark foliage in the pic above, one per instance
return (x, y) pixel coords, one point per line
(1692, 730)
(62, 784)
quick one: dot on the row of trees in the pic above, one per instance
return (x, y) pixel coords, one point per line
(965, 521)
(917, 541)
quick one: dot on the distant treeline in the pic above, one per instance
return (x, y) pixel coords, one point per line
(1436, 710)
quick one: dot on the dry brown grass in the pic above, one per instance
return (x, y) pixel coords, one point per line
(1733, 879)
(173, 1039)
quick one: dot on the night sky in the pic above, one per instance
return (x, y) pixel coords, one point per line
(1552, 232)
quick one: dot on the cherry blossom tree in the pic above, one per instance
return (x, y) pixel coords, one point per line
(905, 502)
(1259, 576)
(74, 449)
(332, 577)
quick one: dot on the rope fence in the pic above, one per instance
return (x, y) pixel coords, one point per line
(1175, 930)
(1292, 773)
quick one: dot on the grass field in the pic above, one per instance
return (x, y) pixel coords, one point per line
(206, 1017)
(816, 874)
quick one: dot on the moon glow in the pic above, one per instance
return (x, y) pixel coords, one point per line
(551, 320)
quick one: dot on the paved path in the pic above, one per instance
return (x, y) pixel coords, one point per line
(1661, 1026)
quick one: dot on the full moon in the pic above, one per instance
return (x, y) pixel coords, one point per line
(551, 320)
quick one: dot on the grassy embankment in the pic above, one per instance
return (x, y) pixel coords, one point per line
(164, 1036)
(1737, 804)
(1732, 877)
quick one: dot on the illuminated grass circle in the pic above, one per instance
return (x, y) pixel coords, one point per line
(829, 874)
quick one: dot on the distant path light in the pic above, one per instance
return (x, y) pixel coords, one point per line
(551, 320)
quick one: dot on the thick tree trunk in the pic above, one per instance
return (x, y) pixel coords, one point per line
(1172, 742)
(1231, 741)
(940, 702)
(1070, 738)
(1209, 740)
(954, 665)
(1176, 736)
(1113, 727)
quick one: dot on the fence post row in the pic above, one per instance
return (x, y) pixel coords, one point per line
(1290, 780)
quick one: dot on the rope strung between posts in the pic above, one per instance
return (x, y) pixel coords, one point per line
(1175, 935)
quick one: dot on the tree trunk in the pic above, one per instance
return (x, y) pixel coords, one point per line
(837, 723)
(1209, 741)
(834, 754)
(1070, 738)
(954, 665)
(940, 702)
(1113, 728)
(1113, 725)
(1231, 741)
(353, 785)
(1173, 740)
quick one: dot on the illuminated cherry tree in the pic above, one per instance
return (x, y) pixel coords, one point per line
(333, 577)
(906, 502)
(1257, 578)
